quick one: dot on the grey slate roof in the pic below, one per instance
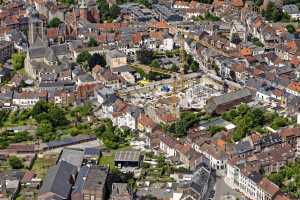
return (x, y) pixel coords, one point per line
(91, 178)
(72, 156)
(70, 141)
(133, 156)
(291, 9)
(41, 51)
(50, 56)
(255, 176)
(243, 146)
(231, 96)
(116, 54)
(36, 52)
(57, 180)
(92, 151)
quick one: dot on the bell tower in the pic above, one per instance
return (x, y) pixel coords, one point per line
(83, 10)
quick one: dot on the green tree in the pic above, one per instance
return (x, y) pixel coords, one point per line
(103, 8)
(258, 2)
(194, 66)
(279, 122)
(114, 11)
(174, 68)
(145, 56)
(55, 22)
(45, 131)
(15, 162)
(83, 57)
(40, 107)
(57, 116)
(155, 63)
(272, 13)
(256, 42)
(211, 17)
(92, 42)
(286, 17)
(67, 2)
(17, 60)
(97, 59)
(290, 28)
(4, 114)
(108, 13)
(215, 129)
(206, 1)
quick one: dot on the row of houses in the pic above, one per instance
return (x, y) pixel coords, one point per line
(241, 164)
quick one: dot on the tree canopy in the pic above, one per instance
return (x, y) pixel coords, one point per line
(55, 22)
(15, 162)
(290, 28)
(43, 111)
(186, 121)
(288, 179)
(17, 60)
(108, 13)
(272, 13)
(96, 59)
(145, 56)
(92, 42)
(249, 119)
(67, 2)
(112, 136)
(83, 57)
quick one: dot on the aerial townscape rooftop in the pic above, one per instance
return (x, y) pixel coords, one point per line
(149, 100)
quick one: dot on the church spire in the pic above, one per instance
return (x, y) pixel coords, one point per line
(83, 4)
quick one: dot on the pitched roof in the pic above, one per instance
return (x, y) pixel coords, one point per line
(28, 176)
(168, 140)
(281, 197)
(289, 132)
(72, 156)
(52, 33)
(231, 96)
(146, 121)
(90, 178)
(57, 180)
(237, 3)
(268, 186)
(295, 86)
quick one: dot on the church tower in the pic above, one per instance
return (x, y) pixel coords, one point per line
(83, 10)
(36, 32)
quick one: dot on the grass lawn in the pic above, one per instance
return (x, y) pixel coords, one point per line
(42, 164)
(108, 158)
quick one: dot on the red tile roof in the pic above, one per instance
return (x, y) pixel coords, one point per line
(52, 33)
(281, 197)
(269, 187)
(290, 132)
(28, 176)
(295, 86)
(147, 121)
(168, 140)
(167, 118)
(237, 3)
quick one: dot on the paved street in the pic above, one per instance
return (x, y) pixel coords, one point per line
(223, 189)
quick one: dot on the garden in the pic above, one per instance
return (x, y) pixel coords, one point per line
(249, 119)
